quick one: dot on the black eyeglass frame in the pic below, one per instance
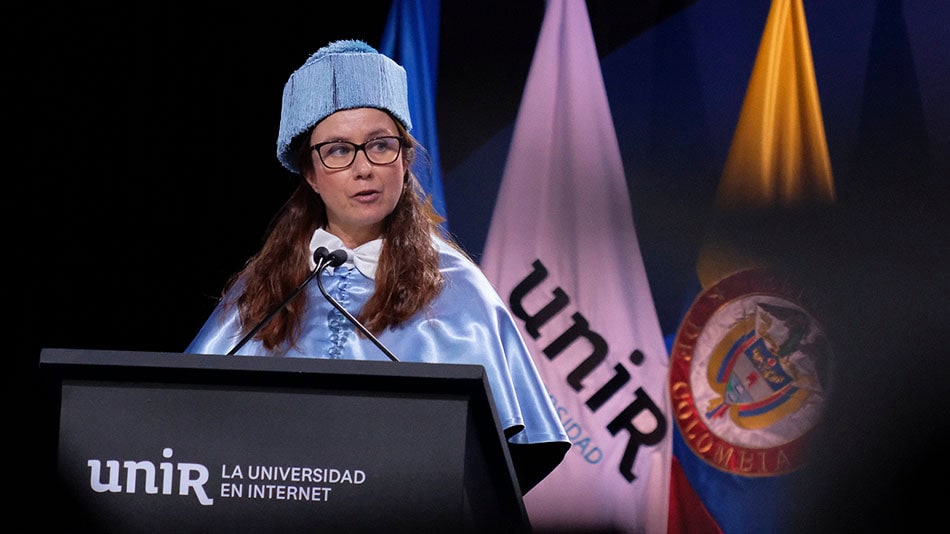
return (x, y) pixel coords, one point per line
(400, 142)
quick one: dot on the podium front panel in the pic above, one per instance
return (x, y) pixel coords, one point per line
(302, 453)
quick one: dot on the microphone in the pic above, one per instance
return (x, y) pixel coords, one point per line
(320, 258)
(335, 259)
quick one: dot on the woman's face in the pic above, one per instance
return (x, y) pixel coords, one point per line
(360, 196)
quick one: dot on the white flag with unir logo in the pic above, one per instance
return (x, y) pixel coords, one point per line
(562, 250)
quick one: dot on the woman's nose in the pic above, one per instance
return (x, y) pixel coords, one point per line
(361, 163)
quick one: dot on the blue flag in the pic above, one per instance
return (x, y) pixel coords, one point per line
(411, 37)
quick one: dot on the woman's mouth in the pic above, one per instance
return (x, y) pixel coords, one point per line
(368, 195)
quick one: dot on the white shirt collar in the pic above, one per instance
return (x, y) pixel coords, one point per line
(364, 257)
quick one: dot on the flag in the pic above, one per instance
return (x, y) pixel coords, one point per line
(748, 365)
(563, 251)
(779, 158)
(411, 38)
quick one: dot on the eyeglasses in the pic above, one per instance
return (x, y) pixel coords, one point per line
(342, 154)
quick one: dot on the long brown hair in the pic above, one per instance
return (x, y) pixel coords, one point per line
(407, 276)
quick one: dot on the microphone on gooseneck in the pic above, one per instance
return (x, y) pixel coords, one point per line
(335, 259)
(320, 258)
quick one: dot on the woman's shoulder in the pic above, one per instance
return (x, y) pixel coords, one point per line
(461, 272)
(452, 253)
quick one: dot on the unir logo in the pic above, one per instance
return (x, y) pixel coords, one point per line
(191, 477)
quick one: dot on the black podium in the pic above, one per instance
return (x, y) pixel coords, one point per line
(165, 442)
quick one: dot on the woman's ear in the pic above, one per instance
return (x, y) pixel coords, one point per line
(307, 174)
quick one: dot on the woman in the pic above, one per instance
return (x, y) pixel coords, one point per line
(345, 129)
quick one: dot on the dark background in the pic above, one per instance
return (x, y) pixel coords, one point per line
(148, 134)
(140, 155)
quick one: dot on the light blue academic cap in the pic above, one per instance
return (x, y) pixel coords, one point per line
(342, 75)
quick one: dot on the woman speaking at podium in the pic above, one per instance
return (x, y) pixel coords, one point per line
(413, 294)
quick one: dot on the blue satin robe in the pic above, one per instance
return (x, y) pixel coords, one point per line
(467, 323)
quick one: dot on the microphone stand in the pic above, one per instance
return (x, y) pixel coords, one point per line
(320, 257)
(336, 258)
(323, 259)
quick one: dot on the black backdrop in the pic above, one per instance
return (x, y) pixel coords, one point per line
(149, 140)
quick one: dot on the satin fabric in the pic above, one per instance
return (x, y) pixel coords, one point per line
(467, 323)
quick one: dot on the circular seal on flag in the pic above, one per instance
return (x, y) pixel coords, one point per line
(748, 374)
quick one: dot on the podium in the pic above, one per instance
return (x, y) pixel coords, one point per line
(168, 442)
